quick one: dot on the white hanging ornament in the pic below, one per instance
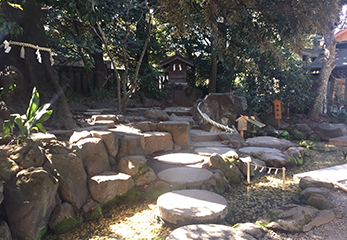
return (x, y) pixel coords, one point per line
(51, 58)
(22, 52)
(38, 54)
(276, 171)
(7, 46)
(269, 171)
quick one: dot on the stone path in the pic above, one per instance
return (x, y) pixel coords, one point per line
(332, 174)
(208, 231)
(192, 206)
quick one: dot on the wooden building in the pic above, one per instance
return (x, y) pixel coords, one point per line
(177, 68)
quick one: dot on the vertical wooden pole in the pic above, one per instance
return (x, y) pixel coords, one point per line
(248, 173)
(284, 178)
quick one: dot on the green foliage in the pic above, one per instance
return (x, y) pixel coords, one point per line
(339, 115)
(6, 90)
(308, 144)
(149, 84)
(32, 120)
(101, 95)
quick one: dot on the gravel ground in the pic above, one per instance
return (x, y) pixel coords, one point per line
(247, 204)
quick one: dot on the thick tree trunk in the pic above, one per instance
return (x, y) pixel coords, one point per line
(100, 70)
(28, 72)
(327, 67)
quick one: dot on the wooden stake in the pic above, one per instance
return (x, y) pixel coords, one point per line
(248, 173)
(284, 178)
(241, 133)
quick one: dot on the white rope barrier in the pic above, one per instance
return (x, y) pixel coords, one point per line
(218, 125)
(7, 46)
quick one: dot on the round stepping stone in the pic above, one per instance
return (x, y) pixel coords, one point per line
(190, 206)
(208, 232)
(248, 150)
(193, 177)
(180, 158)
(208, 151)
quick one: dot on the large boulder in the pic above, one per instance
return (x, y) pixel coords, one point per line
(157, 141)
(110, 140)
(233, 139)
(307, 182)
(223, 108)
(156, 114)
(5, 233)
(72, 177)
(328, 130)
(108, 185)
(228, 166)
(8, 168)
(63, 218)
(130, 144)
(132, 165)
(29, 201)
(272, 159)
(179, 130)
(27, 154)
(294, 218)
(270, 142)
(94, 155)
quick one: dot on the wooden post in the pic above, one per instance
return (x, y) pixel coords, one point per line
(248, 173)
(278, 111)
(284, 178)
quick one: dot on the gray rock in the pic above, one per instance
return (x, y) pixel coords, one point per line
(289, 218)
(157, 141)
(110, 140)
(295, 152)
(78, 135)
(156, 114)
(147, 126)
(8, 168)
(156, 189)
(328, 130)
(30, 199)
(63, 218)
(228, 166)
(272, 159)
(307, 192)
(27, 154)
(252, 229)
(108, 185)
(94, 155)
(249, 150)
(270, 142)
(131, 165)
(307, 182)
(92, 210)
(234, 139)
(130, 145)
(180, 131)
(324, 217)
(72, 177)
(5, 233)
(145, 178)
(319, 201)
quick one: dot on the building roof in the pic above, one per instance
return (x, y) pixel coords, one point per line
(340, 58)
(177, 56)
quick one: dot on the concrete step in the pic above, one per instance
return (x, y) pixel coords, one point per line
(191, 206)
(191, 177)
(207, 144)
(197, 135)
(208, 231)
(172, 160)
(178, 111)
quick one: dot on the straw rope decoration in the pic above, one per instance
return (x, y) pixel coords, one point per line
(262, 168)
(7, 46)
(218, 125)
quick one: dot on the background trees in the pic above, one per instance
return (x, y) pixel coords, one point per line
(245, 47)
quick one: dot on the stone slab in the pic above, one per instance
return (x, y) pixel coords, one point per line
(248, 150)
(338, 141)
(207, 144)
(332, 174)
(267, 141)
(190, 206)
(208, 232)
(200, 135)
(208, 151)
(180, 158)
(179, 111)
(193, 177)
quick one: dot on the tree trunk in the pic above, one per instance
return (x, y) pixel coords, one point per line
(327, 67)
(213, 71)
(100, 70)
(28, 72)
